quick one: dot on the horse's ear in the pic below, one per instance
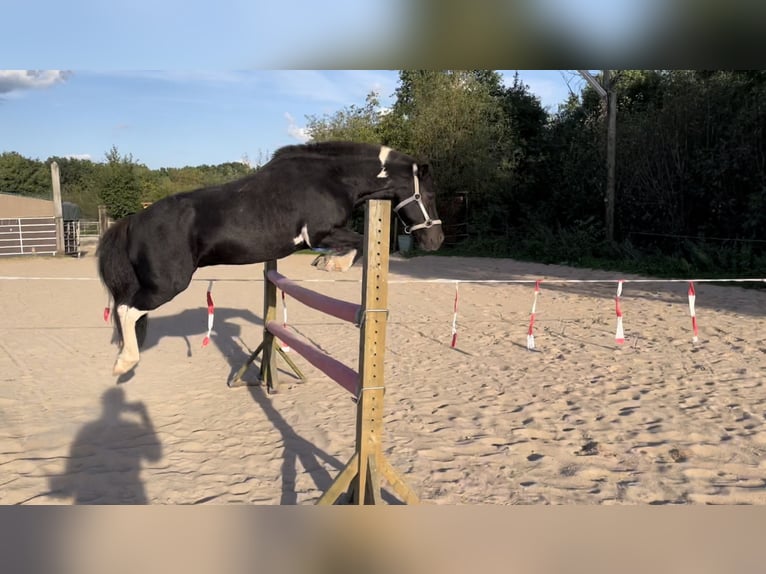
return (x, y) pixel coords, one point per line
(424, 169)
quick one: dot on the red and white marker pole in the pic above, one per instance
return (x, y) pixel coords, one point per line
(692, 313)
(619, 336)
(454, 318)
(284, 346)
(531, 330)
(210, 311)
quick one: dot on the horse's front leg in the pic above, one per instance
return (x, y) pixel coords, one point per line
(346, 246)
(129, 354)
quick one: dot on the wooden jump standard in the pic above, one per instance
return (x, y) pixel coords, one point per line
(360, 478)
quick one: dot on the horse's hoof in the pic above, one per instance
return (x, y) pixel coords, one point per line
(320, 261)
(335, 262)
(122, 366)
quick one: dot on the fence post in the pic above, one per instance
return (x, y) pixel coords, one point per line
(269, 369)
(57, 208)
(103, 220)
(362, 475)
(372, 344)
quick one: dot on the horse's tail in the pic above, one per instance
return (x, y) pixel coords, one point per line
(117, 273)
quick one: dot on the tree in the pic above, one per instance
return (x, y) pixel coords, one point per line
(120, 188)
(24, 176)
(452, 119)
(353, 123)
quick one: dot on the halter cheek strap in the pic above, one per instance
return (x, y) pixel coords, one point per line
(417, 198)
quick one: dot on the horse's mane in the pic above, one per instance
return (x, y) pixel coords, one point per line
(333, 149)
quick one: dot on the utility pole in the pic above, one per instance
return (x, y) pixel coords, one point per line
(606, 90)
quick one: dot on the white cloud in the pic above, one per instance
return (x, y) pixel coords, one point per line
(295, 131)
(17, 80)
(79, 156)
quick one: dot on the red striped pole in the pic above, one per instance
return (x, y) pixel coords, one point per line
(210, 311)
(619, 336)
(454, 318)
(692, 312)
(531, 330)
(285, 347)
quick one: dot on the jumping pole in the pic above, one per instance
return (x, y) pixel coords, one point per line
(269, 346)
(361, 476)
(360, 479)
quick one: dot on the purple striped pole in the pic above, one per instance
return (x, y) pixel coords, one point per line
(336, 307)
(345, 376)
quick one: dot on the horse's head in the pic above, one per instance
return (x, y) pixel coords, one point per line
(416, 208)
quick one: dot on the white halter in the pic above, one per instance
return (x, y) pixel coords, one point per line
(416, 197)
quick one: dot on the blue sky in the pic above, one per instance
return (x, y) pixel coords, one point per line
(177, 118)
(248, 34)
(209, 115)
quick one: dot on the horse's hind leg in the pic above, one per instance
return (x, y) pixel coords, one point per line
(143, 301)
(129, 354)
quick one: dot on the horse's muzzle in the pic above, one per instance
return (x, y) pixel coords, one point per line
(431, 239)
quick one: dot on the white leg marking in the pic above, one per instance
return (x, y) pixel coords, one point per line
(303, 237)
(383, 156)
(129, 356)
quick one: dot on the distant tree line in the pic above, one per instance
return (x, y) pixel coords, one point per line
(120, 183)
(691, 167)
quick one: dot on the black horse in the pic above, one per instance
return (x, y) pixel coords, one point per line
(302, 198)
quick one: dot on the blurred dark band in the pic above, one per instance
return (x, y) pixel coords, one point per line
(396, 540)
(555, 34)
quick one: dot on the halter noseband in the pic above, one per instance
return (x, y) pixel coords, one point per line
(417, 198)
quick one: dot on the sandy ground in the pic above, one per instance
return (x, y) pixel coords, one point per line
(580, 420)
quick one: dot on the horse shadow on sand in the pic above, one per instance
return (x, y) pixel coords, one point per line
(226, 337)
(105, 459)
(191, 326)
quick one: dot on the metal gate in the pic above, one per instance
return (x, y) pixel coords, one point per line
(37, 236)
(72, 237)
(28, 236)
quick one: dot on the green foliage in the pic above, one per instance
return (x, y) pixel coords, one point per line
(691, 167)
(24, 176)
(454, 119)
(120, 182)
(692, 159)
(359, 124)
(120, 188)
